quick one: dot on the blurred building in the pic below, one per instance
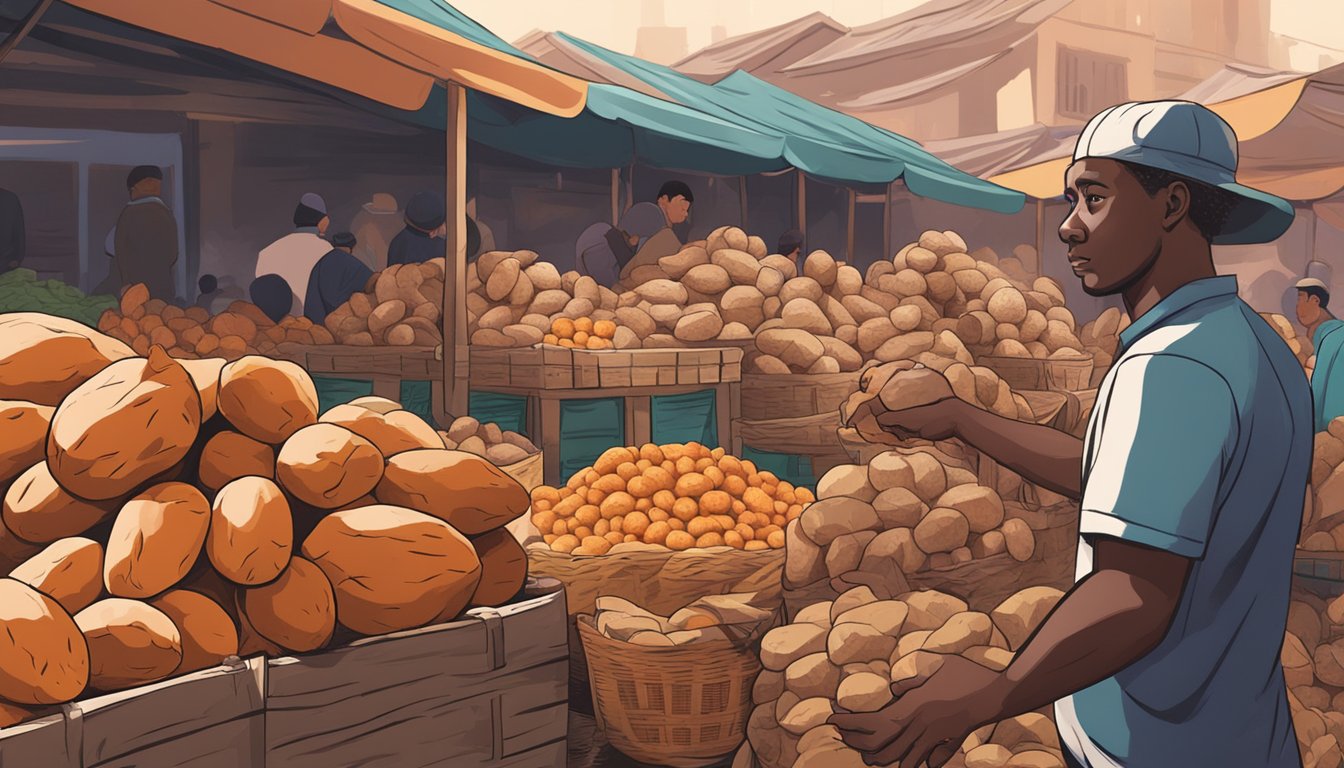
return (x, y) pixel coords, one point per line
(654, 40)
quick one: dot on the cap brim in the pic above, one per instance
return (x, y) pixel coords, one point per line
(1258, 217)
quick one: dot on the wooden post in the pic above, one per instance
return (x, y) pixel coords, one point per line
(886, 225)
(456, 356)
(742, 199)
(802, 202)
(630, 186)
(615, 196)
(1040, 238)
(548, 439)
(849, 229)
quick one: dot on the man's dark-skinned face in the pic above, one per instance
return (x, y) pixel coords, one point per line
(1113, 228)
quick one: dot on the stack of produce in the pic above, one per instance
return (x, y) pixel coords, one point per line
(1313, 668)
(903, 513)
(191, 333)
(401, 306)
(1300, 345)
(21, 291)
(582, 333)
(849, 652)
(1101, 337)
(163, 514)
(674, 496)
(501, 447)
(1322, 523)
(717, 617)
(835, 318)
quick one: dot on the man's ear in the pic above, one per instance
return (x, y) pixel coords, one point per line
(1177, 204)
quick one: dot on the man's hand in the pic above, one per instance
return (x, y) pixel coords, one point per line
(936, 421)
(929, 720)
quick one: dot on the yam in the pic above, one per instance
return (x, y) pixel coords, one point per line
(801, 288)
(851, 643)
(393, 568)
(155, 540)
(864, 692)
(930, 609)
(678, 264)
(466, 491)
(205, 629)
(981, 506)
(1020, 540)
(205, 374)
(393, 432)
(131, 422)
(230, 455)
(820, 266)
(904, 346)
(698, 326)
(742, 267)
(44, 358)
(849, 480)
(296, 611)
(38, 510)
(503, 568)
(267, 400)
(782, 646)
(812, 675)
(70, 571)
(130, 643)
(796, 348)
(743, 304)
(251, 534)
(1019, 615)
(328, 466)
(25, 427)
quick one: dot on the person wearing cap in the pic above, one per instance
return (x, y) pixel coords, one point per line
(374, 226)
(1326, 339)
(293, 256)
(1191, 481)
(423, 237)
(337, 277)
(145, 239)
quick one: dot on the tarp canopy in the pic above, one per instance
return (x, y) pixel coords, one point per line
(987, 155)
(765, 52)
(817, 140)
(1290, 136)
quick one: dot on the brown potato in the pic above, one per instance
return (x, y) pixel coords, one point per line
(230, 455)
(393, 432)
(393, 568)
(155, 540)
(43, 656)
(130, 643)
(267, 400)
(328, 466)
(24, 426)
(297, 611)
(206, 630)
(69, 571)
(205, 374)
(131, 422)
(38, 510)
(503, 568)
(468, 492)
(44, 358)
(251, 533)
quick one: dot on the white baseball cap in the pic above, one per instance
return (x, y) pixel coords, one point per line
(1189, 140)
(1311, 282)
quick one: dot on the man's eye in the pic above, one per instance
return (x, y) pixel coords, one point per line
(1094, 199)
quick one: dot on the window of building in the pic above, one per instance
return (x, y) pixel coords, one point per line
(1087, 82)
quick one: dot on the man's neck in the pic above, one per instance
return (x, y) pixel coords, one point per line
(1320, 320)
(1178, 263)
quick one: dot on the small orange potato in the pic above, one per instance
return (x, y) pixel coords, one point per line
(604, 329)
(584, 324)
(686, 509)
(656, 533)
(563, 328)
(710, 540)
(680, 541)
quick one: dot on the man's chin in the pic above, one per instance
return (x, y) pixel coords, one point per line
(1093, 287)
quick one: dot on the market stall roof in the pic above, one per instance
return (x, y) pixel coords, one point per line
(549, 49)
(817, 140)
(1235, 80)
(764, 51)
(989, 154)
(1291, 138)
(390, 51)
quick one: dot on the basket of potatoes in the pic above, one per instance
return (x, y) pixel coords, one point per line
(643, 665)
(581, 333)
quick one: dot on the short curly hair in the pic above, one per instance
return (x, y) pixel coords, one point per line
(1209, 206)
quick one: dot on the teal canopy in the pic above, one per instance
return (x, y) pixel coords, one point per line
(820, 141)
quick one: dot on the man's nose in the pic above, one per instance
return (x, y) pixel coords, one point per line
(1072, 231)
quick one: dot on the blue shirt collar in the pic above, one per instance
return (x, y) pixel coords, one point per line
(1325, 329)
(1178, 301)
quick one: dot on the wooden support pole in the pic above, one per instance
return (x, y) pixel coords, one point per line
(630, 187)
(802, 202)
(615, 196)
(849, 230)
(456, 357)
(742, 199)
(886, 225)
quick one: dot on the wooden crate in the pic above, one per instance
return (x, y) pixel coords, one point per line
(489, 690)
(545, 367)
(346, 361)
(775, 396)
(1059, 375)
(207, 719)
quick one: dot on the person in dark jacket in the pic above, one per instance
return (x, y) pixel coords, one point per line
(12, 238)
(423, 237)
(272, 296)
(146, 235)
(335, 278)
(791, 247)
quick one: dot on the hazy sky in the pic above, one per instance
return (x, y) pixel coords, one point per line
(612, 23)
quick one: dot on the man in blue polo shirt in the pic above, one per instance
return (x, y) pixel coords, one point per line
(1165, 653)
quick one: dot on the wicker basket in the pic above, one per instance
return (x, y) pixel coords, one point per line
(684, 707)
(1059, 374)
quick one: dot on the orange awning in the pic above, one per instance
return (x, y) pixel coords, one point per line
(1252, 115)
(340, 63)
(447, 56)
(392, 58)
